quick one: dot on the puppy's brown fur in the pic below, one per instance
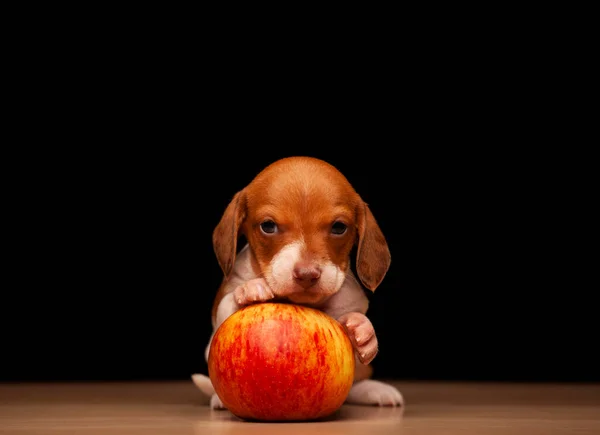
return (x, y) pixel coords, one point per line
(301, 218)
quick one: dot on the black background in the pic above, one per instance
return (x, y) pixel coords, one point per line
(111, 273)
(121, 272)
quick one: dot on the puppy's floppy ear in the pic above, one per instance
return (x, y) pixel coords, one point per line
(226, 233)
(373, 256)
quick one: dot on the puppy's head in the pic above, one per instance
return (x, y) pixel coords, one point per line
(301, 218)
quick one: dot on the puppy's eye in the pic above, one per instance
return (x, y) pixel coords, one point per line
(338, 228)
(268, 227)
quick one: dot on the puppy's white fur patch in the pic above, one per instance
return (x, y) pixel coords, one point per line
(282, 265)
(226, 308)
(332, 277)
(280, 277)
(371, 392)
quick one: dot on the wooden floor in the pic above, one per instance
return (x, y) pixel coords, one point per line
(178, 408)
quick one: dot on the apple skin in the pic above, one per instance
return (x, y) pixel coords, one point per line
(281, 362)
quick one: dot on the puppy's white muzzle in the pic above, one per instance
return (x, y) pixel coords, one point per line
(291, 275)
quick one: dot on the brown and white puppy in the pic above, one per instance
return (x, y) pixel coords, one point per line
(301, 218)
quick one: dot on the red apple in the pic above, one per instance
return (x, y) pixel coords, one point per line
(281, 362)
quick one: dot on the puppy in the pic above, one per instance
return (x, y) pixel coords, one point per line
(301, 218)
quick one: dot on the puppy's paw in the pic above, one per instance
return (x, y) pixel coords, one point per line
(255, 290)
(215, 402)
(362, 335)
(371, 392)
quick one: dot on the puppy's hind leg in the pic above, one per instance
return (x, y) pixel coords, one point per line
(226, 307)
(371, 392)
(205, 385)
(366, 391)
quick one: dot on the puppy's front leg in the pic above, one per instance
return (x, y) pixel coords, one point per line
(362, 335)
(251, 291)
(248, 292)
(367, 391)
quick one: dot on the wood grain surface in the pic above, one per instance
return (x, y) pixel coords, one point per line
(153, 408)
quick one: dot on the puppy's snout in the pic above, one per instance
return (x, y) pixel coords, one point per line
(306, 274)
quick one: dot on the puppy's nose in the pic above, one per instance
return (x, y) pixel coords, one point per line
(306, 274)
